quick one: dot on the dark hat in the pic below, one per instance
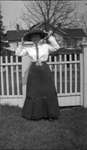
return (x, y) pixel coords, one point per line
(28, 35)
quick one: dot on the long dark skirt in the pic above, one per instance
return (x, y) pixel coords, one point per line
(41, 97)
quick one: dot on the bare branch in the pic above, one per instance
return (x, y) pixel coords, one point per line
(32, 13)
(41, 9)
(48, 11)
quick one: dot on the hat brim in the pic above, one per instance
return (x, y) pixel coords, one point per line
(28, 36)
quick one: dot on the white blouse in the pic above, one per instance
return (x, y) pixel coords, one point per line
(43, 50)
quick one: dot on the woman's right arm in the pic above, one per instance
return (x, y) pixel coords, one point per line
(53, 45)
(21, 51)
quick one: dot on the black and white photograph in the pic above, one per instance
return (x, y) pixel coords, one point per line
(43, 75)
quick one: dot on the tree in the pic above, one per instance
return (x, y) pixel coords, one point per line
(83, 21)
(48, 12)
(1, 31)
(3, 42)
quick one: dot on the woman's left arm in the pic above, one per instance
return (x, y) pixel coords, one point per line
(21, 51)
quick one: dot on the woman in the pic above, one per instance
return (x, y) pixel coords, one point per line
(41, 97)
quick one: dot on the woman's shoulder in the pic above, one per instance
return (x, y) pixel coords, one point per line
(44, 45)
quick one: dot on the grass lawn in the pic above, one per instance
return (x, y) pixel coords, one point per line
(69, 132)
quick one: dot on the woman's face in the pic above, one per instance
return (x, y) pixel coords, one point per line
(36, 38)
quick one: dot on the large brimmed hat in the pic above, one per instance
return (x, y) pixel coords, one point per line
(28, 35)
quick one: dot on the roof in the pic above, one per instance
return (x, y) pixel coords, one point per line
(76, 33)
(14, 35)
(73, 32)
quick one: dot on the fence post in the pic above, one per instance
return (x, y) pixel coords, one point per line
(25, 69)
(84, 74)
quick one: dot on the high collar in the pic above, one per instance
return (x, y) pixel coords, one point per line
(33, 44)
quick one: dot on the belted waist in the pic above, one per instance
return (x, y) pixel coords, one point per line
(39, 63)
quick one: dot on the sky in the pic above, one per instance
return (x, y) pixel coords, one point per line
(12, 12)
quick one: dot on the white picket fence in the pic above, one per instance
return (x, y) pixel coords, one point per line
(10, 76)
(66, 68)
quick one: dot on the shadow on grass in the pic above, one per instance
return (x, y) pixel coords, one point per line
(69, 132)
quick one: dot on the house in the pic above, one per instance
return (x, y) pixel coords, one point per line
(14, 37)
(74, 37)
(67, 38)
(11, 39)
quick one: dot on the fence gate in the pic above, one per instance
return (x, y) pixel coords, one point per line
(67, 69)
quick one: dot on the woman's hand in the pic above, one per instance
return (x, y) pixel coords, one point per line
(50, 33)
(38, 63)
